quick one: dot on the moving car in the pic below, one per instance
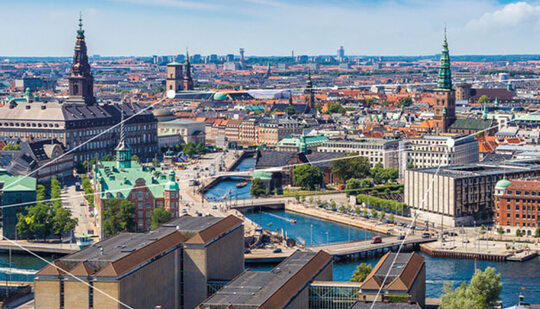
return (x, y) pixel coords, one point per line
(376, 240)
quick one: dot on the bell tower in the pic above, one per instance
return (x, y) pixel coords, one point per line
(444, 96)
(81, 81)
(188, 81)
(175, 76)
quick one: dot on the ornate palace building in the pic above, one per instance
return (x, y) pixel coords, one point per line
(80, 119)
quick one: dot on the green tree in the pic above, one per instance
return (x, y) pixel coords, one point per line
(410, 165)
(406, 101)
(258, 188)
(290, 110)
(361, 272)
(483, 290)
(135, 158)
(189, 149)
(158, 217)
(500, 230)
(352, 185)
(391, 217)
(335, 108)
(365, 214)
(537, 232)
(374, 213)
(483, 99)
(307, 176)
(383, 215)
(354, 167)
(518, 233)
(118, 216)
(12, 146)
(62, 222)
(366, 183)
(200, 149)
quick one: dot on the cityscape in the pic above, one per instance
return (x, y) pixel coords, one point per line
(258, 154)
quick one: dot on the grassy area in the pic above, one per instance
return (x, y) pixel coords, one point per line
(290, 193)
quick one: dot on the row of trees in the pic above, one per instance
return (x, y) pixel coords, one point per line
(45, 217)
(381, 203)
(88, 190)
(12, 146)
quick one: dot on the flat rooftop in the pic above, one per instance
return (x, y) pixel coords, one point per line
(275, 287)
(482, 169)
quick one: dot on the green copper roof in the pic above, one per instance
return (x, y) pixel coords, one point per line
(16, 183)
(298, 141)
(120, 182)
(503, 183)
(262, 175)
(174, 63)
(444, 81)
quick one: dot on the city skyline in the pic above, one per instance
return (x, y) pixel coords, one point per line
(266, 28)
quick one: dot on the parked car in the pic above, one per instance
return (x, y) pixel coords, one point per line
(426, 235)
(376, 240)
(277, 250)
(247, 251)
(401, 237)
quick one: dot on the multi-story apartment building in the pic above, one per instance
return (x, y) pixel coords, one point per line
(517, 205)
(460, 194)
(434, 150)
(271, 131)
(80, 120)
(14, 190)
(169, 267)
(247, 134)
(376, 150)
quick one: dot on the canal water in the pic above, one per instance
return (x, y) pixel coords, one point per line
(23, 267)
(227, 190)
(516, 277)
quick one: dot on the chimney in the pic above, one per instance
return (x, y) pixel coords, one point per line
(409, 299)
(364, 299)
(385, 299)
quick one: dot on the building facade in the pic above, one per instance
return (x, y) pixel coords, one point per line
(517, 205)
(170, 267)
(376, 150)
(460, 194)
(14, 190)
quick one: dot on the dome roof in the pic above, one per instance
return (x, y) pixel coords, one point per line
(503, 183)
(219, 96)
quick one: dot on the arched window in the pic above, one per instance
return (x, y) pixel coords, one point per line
(75, 89)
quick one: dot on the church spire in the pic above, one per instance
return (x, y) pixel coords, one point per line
(123, 152)
(188, 80)
(81, 81)
(444, 80)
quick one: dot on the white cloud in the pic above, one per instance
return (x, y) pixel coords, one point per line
(511, 16)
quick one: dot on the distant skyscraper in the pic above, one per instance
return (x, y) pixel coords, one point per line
(81, 81)
(341, 52)
(241, 55)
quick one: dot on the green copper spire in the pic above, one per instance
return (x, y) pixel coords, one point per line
(80, 31)
(444, 81)
(484, 112)
(123, 152)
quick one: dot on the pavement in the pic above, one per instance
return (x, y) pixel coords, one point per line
(76, 202)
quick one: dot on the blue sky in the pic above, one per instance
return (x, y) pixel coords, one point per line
(270, 27)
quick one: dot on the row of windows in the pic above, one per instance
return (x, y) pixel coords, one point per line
(28, 124)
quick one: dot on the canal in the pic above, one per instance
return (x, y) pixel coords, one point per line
(227, 190)
(516, 277)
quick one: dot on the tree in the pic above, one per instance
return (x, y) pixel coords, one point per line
(355, 167)
(307, 176)
(537, 232)
(200, 149)
(135, 158)
(189, 149)
(352, 185)
(374, 213)
(383, 215)
(518, 233)
(361, 272)
(484, 289)
(410, 165)
(366, 183)
(335, 108)
(483, 99)
(500, 230)
(62, 222)
(258, 188)
(406, 101)
(12, 146)
(365, 214)
(158, 217)
(118, 216)
(290, 110)
(391, 217)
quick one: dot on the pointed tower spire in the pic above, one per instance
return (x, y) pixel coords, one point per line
(188, 80)
(81, 81)
(444, 80)
(123, 152)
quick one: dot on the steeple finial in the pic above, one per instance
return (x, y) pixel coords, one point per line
(122, 128)
(187, 54)
(80, 31)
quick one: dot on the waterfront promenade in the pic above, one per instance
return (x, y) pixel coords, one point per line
(38, 247)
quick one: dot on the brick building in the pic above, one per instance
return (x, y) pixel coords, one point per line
(517, 205)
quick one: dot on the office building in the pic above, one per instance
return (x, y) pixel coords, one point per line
(376, 150)
(170, 267)
(460, 194)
